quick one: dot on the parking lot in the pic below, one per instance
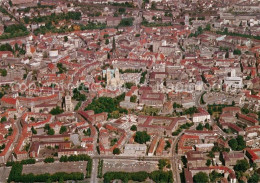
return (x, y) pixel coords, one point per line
(129, 165)
(69, 167)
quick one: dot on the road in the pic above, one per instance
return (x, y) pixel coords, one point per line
(4, 173)
(94, 171)
(176, 159)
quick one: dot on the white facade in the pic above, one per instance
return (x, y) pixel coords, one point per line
(198, 117)
(135, 149)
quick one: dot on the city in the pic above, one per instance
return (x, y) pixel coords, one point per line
(164, 91)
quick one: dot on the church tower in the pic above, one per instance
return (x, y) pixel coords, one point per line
(68, 103)
(117, 75)
(108, 76)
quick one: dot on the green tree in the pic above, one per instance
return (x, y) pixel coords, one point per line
(128, 85)
(237, 52)
(3, 72)
(142, 137)
(254, 178)
(3, 119)
(201, 177)
(66, 38)
(49, 160)
(241, 144)
(153, 6)
(199, 127)
(121, 10)
(233, 144)
(133, 128)
(33, 130)
(241, 166)
(63, 129)
(107, 41)
(56, 111)
(208, 27)
(116, 151)
(208, 163)
(133, 98)
(51, 132)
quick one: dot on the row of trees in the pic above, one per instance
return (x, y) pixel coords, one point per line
(225, 32)
(142, 79)
(17, 176)
(89, 168)
(157, 176)
(49, 160)
(184, 126)
(15, 30)
(155, 24)
(72, 158)
(54, 17)
(23, 162)
(100, 168)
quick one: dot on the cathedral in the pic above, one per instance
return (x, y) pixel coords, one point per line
(113, 78)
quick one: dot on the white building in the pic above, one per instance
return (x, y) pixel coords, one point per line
(135, 149)
(233, 81)
(200, 117)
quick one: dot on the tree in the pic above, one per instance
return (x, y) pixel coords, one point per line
(88, 132)
(114, 44)
(121, 10)
(133, 128)
(162, 163)
(128, 85)
(133, 98)
(254, 178)
(63, 129)
(233, 144)
(3, 119)
(51, 132)
(107, 41)
(208, 162)
(241, 144)
(142, 137)
(208, 27)
(33, 130)
(66, 39)
(56, 111)
(199, 127)
(49, 160)
(237, 52)
(126, 22)
(201, 177)
(46, 127)
(153, 6)
(3, 72)
(116, 151)
(241, 166)
(207, 126)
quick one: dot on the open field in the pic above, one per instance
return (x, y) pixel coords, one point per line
(129, 165)
(52, 168)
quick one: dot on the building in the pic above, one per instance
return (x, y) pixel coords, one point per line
(68, 104)
(201, 116)
(233, 81)
(159, 125)
(113, 77)
(135, 149)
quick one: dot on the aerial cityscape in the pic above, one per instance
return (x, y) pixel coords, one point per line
(118, 91)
